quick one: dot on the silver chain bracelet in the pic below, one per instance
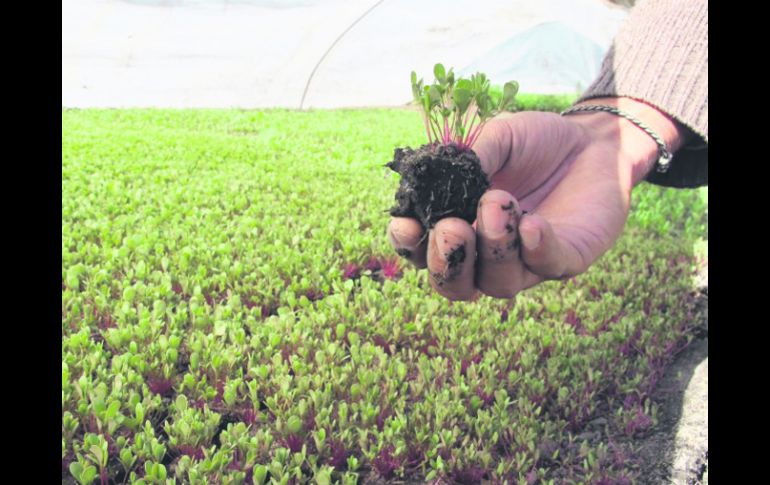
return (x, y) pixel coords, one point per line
(664, 156)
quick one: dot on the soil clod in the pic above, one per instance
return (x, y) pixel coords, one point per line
(457, 256)
(427, 191)
(404, 253)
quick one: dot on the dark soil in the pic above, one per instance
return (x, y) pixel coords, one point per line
(437, 182)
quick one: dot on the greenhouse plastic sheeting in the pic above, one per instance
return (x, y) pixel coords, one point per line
(261, 53)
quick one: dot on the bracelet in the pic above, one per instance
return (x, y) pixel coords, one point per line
(664, 156)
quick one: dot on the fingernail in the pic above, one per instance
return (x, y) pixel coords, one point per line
(496, 223)
(530, 236)
(402, 249)
(451, 248)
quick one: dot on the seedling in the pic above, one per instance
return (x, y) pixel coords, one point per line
(444, 178)
(419, 391)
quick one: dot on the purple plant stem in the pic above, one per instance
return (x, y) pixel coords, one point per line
(475, 135)
(473, 108)
(470, 126)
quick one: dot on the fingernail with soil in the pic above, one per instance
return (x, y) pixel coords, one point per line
(401, 249)
(530, 236)
(451, 248)
(495, 222)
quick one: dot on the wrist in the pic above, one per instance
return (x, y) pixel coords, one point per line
(637, 151)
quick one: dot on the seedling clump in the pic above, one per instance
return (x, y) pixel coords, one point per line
(443, 178)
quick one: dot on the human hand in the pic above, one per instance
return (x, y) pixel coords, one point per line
(572, 175)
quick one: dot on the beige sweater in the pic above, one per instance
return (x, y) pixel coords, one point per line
(660, 56)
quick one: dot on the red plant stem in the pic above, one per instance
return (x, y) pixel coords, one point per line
(469, 131)
(471, 108)
(454, 127)
(475, 134)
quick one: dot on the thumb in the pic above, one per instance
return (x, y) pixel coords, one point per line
(494, 143)
(544, 253)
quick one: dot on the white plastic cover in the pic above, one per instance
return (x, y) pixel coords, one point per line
(260, 53)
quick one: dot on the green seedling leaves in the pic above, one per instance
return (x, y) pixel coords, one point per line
(551, 362)
(112, 410)
(84, 474)
(439, 72)
(294, 424)
(435, 96)
(260, 474)
(508, 101)
(447, 102)
(127, 458)
(324, 475)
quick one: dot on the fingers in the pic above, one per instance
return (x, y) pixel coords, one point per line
(448, 252)
(515, 252)
(544, 252)
(451, 255)
(500, 272)
(409, 240)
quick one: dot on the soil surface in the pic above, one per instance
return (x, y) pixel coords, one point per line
(437, 182)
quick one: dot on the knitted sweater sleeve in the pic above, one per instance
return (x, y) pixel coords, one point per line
(660, 56)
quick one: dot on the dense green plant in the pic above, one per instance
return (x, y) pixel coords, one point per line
(232, 312)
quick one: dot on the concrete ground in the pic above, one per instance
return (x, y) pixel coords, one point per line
(677, 451)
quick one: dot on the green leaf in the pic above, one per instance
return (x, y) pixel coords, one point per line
(435, 96)
(294, 424)
(510, 89)
(127, 458)
(416, 87)
(439, 72)
(324, 476)
(139, 413)
(401, 370)
(180, 404)
(462, 99)
(464, 84)
(112, 410)
(76, 469)
(99, 406)
(97, 452)
(354, 339)
(84, 475)
(260, 474)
